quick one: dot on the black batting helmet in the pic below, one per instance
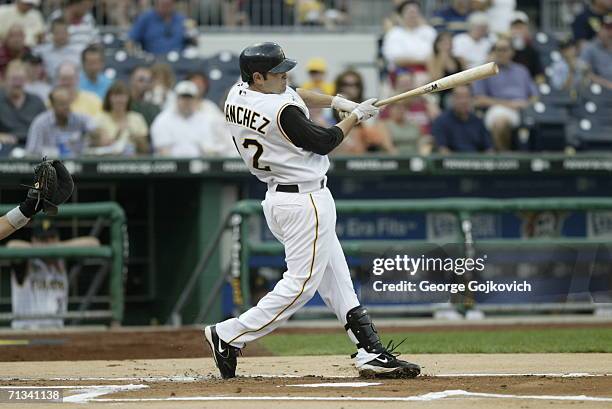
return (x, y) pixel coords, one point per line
(263, 58)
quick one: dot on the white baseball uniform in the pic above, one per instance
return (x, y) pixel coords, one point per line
(303, 222)
(44, 291)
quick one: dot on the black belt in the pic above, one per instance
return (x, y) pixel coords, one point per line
(294, 188)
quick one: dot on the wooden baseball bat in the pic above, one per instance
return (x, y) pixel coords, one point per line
(451, 81)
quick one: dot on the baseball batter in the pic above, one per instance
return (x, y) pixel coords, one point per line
(271, 129)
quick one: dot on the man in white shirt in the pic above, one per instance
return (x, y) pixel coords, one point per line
(187, 130)
(24, 13)
(411, 43)
(474, 46)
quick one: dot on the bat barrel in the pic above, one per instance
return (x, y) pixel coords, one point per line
(451, 81)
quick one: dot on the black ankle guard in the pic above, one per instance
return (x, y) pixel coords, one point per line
(360, 324)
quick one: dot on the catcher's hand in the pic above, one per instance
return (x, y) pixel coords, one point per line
(53, 185)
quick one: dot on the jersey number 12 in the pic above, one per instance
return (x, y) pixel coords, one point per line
(253, 142)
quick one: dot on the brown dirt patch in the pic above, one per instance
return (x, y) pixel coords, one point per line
(112, 344)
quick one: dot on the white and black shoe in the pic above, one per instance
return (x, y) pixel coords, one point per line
(386, 365)
(224, 353)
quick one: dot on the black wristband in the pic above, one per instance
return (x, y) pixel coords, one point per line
(28, 207)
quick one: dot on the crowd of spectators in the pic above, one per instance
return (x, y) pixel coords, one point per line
(466, 34)
(57, 98)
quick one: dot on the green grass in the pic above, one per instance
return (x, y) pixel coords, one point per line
(448, 342)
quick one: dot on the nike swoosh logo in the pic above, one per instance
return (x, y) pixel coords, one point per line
(381, 360)
(221, 350)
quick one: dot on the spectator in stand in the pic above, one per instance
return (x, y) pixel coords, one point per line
(317, 69)
(524, 52)
(92, 76)
(405, 135)
(140, 85)
(81, 24)
(201, 81)
(499, 13)
(420, 111)
(504, 95)
(23, 12)
(570, 72)
(452, 18)
(59, 132)
(160, 30)
(17, 108)
(587, 24)
(597, 54)
(184, 131)
(368, 136)
(442, 62)
(37, 83)
(83, 102)
(162, 82)
(458, 129)
(474, 46)
(13, 47)
(410, 44)
(126, 130)
(59, 50)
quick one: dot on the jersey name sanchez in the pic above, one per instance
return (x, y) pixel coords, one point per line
(254, 121)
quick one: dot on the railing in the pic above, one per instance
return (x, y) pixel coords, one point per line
(115, 253)
(265, 15)
(462, 208)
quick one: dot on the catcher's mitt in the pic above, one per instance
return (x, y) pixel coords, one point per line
(53, 185)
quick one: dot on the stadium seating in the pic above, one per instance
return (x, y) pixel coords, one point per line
(597, 113)
(588, 135)
(223, 71)
(546, 45)
(546, 127)
(119, 64)
(551, 96)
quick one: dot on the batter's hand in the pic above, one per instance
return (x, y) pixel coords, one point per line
(341, 104)
(366, 110)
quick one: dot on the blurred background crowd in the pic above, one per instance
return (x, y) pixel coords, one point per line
(108, 77)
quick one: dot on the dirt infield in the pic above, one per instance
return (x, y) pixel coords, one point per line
(477, 381)
(162, 369)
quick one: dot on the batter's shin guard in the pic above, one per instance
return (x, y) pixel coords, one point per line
(359, 324)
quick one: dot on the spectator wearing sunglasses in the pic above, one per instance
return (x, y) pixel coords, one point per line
(140, 85)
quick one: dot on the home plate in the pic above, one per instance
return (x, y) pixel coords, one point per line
(337, 385)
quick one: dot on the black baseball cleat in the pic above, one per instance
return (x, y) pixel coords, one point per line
(224, 353)
(386, 365)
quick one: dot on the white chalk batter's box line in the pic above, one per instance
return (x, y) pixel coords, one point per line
(87, 394)
(153, 379)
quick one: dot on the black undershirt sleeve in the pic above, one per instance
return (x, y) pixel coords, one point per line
(306, 134)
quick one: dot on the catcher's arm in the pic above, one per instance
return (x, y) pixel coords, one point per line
(6, 228)
(53, 185)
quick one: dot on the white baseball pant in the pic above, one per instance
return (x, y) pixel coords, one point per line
(305, 223)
